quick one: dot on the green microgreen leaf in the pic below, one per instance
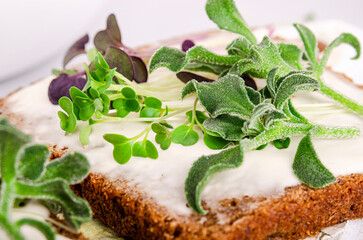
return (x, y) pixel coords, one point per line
(162, 136)
(145, 149)
(214, 142)
(122, 147)
(132, 105)
(164, 140)
(158, 128)
(307, 166)
(185, 135)
(310, 44)
(128, 92)
(203, 168)
(282, 143)
(150, 112)
(68, 122)
(86, 107)
(226, 16)
(91, 54)
(119, 105)
(342, 38)
(152, 102)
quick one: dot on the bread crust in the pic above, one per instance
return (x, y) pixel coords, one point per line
(298, 213)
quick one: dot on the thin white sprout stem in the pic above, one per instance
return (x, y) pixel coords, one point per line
(155, 119)
(59, 224)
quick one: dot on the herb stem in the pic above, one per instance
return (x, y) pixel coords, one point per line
(7, 198)
(10, 229)
(282, 131)
(153, 119)
(343, 100)
(195, 115)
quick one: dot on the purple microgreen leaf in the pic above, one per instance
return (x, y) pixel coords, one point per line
(116, 57)
(76, 49)
(187, 44)
(140, 73)
(110, 37)
(60, 86)
(187, 76)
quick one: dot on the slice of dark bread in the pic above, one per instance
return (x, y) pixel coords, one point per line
(132, 211)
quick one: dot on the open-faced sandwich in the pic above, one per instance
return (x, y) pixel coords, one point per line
(227, 135)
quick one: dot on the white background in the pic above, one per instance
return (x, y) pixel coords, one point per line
(34, 34)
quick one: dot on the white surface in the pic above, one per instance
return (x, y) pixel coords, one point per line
(34, 31)
(140, 22)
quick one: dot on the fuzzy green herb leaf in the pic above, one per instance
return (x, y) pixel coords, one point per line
(196, 58)
(31, 162)
(307, 166)
(293, 83)
(342, 38)
(227, 126)
(239, 47)
(43, 227)
(225, 14)
(291, 54)
(33, 177)
(203, 168)
(310, 44)
(72, 168)
(225, 96)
